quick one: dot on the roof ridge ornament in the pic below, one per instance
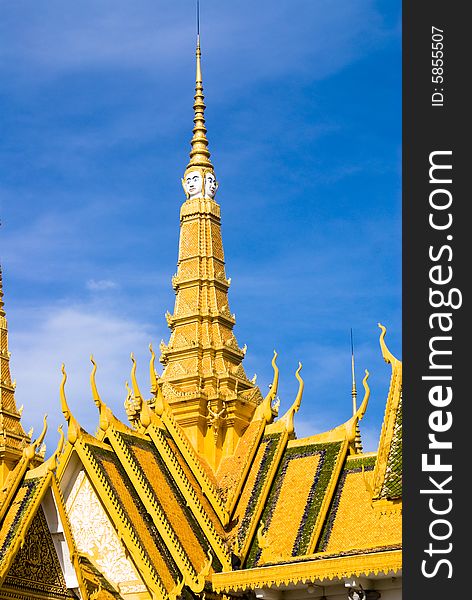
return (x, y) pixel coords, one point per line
(50, 465)
(387, 355)
(30, 451)
(106, 416)
(73, 427)
(286, 423)
(266, 409)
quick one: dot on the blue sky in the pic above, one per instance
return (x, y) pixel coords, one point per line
(304, 123)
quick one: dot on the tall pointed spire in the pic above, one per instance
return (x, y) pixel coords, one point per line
(199, 153)
(203, 373)
(12, 436)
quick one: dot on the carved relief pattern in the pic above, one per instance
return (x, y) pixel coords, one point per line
(95, 536)
(36, 566)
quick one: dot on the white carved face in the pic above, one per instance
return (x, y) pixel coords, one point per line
(210, 185)
(193, 184)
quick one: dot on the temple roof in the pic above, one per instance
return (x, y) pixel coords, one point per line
(307, 501)
(32, 513)
(205, 490)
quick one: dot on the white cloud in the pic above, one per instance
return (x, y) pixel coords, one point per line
(101, 285)
(70, 335)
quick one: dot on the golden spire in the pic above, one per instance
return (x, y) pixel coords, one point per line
(202, 360)
(12, 435)
(199, 154)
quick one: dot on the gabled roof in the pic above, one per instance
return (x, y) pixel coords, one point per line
(31, 512)
(292, 501)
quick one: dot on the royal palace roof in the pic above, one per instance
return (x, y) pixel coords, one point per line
(206, 490)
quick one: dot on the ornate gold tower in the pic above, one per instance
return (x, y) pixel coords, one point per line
(203, 379)
(12, 436)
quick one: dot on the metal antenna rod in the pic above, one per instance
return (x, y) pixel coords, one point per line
(354, 390)
(198, 19)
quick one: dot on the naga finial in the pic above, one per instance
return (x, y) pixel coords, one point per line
(156, 389)
(51, 463)
(134, 381)
(105, 414)
(387, 355)
(152, 371)
(266, 408)
(287, 421)
(73, 428)
(30, 450)
(93, 385)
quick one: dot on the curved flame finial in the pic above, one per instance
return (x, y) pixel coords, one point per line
(301, 386)
(73, 429)
(42, 435)
(152, 371)
(275, 381)
(265, 409)
(387, 355)
(287, 420)
(156, 390)
(134, 381)
(51, 463)
(363, 407)
(93, 384)
(106, 416)
(30, 450)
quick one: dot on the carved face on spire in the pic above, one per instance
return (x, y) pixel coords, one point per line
(211, 185)
(193, 184)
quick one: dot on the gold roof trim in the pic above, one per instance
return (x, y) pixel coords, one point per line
(45, 474)
(219, 547)
(16, 476)
(261, 501)
(117, 515)
(325, 568)
(234, 494)
(393, 405)
(67, 530)
(22, 531)
(193, 462)
(194, 580)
